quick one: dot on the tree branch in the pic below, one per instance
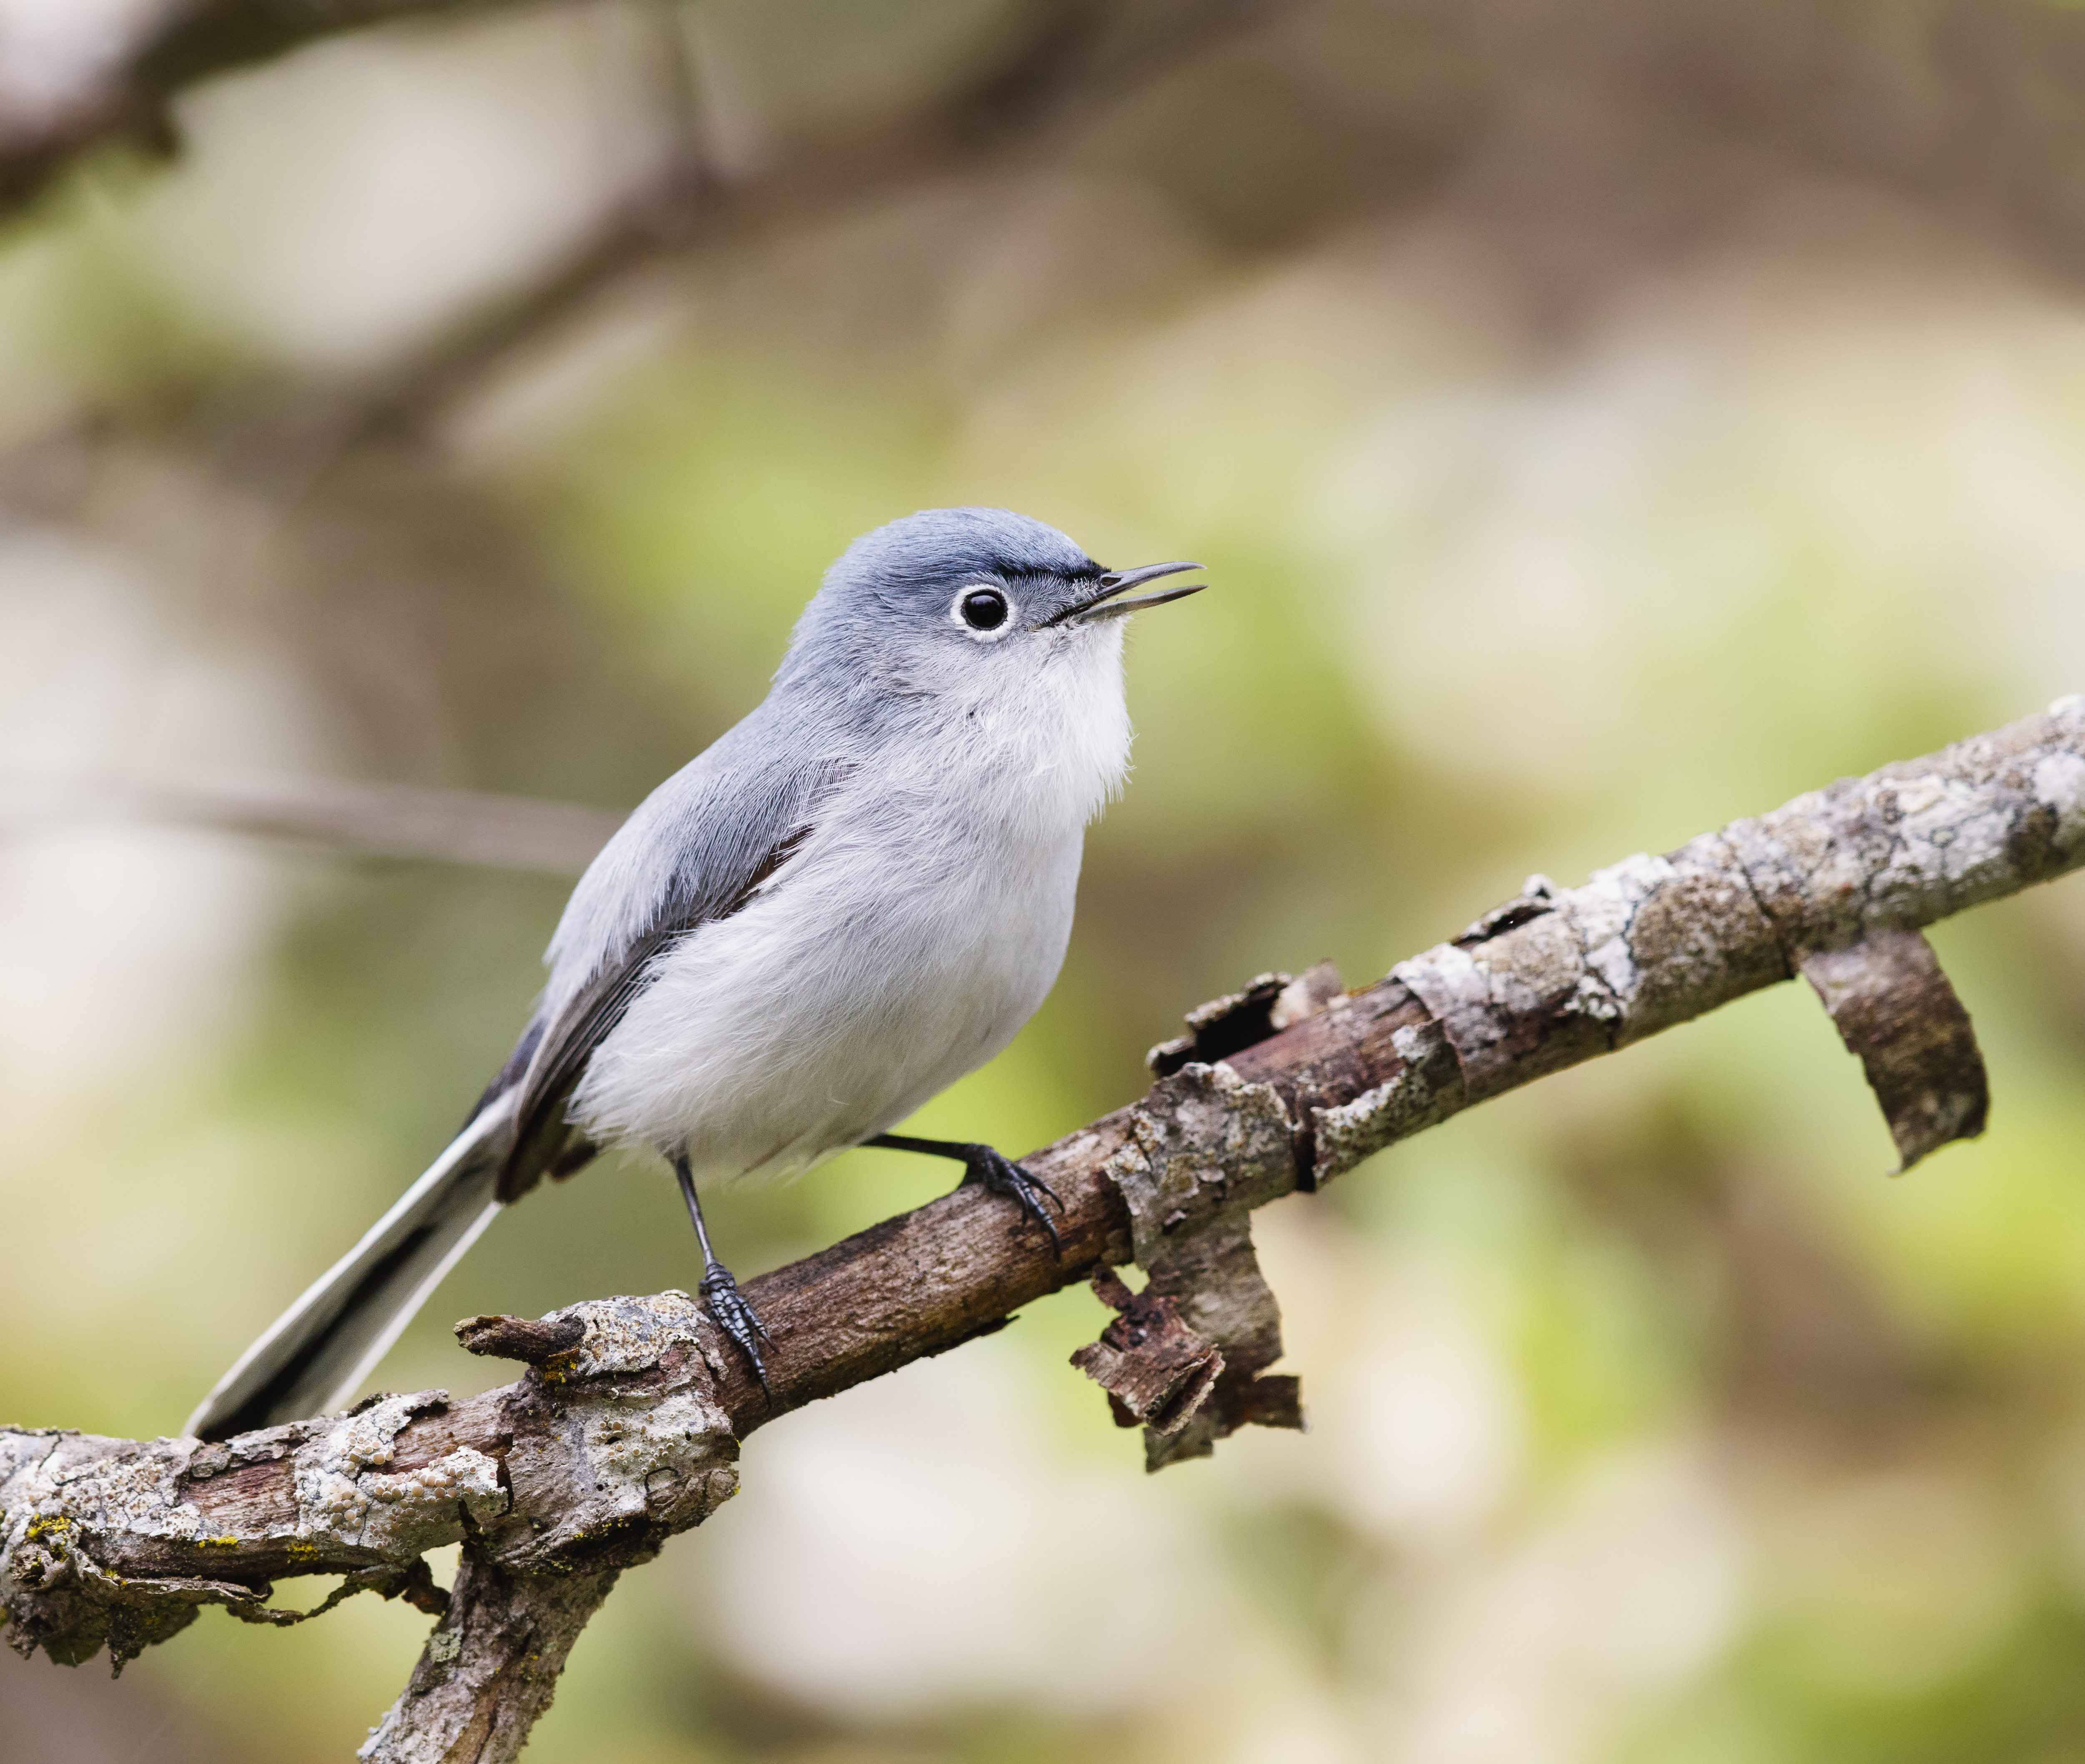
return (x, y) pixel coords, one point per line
(626, 1428)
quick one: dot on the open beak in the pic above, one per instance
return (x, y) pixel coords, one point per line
(1102, 603)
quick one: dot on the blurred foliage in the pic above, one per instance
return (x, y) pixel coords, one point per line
(1598, 423)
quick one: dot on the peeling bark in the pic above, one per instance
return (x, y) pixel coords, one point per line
(1266, 1006)
(1204, 1149)
(1894, 1009)
(625, 1427)
(1156, 1371)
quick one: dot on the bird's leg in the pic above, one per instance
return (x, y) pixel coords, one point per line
(721, 1293)
(991, 1169)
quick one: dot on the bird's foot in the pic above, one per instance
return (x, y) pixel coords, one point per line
(738, 1320)
(992, 1169)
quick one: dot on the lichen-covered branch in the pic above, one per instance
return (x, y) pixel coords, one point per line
(1559, 975)
(553, 1486)
(625, 1427)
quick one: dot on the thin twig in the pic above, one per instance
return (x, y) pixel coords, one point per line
(386, 821)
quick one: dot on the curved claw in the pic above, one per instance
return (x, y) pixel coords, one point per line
(738, 1320)
(1000, 1174)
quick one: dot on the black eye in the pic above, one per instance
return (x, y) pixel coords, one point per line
(984, 609)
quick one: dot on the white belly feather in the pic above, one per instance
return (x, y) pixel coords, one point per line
(915, 931)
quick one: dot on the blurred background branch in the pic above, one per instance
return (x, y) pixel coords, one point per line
(110, 76)
(442, 826)
(720, 186)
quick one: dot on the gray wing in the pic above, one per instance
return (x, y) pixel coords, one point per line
(695, 852)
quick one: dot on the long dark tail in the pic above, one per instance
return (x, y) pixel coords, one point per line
(326, 1344)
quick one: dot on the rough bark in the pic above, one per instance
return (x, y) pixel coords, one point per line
(625, 1427)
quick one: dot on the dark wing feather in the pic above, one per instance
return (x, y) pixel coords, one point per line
(542, 1134)
(509, 1075)
(558, 1051)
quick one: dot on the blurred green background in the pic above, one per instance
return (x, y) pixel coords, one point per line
(1598, 422)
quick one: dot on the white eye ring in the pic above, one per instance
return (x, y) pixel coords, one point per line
(973, 606)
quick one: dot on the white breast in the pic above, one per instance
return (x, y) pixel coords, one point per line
(918, 927)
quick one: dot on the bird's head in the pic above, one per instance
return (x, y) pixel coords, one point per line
(972, 603)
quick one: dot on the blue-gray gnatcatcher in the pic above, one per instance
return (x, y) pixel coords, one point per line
(855, 896)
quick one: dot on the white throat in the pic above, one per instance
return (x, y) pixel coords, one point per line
(1053, 736)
